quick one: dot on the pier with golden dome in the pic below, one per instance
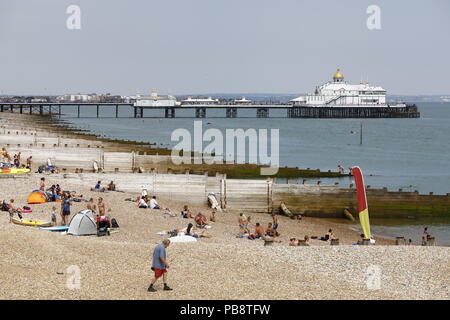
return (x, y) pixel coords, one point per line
(334, 99)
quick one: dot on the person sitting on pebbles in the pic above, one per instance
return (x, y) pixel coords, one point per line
(212, 217)
(200, 220)
(243, 223)
(111, 186)
(259, 231)
(169, 213)
(154, 204)
(269, 230)
(186, 213)
(307, 241)
(293, 242)
(328, 236)
(142, 203)
(98, 187)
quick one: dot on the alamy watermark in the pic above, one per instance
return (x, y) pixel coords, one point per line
(73, 22)
(228, 149)
(373, 21)
(73, 281)
(373, 277)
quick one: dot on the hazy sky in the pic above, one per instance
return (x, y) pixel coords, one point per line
(227, 46)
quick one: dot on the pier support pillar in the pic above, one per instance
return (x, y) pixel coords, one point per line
(117, 110)
(262, 112)
(1, 108)
(294, 112)
(59, 111)
(31, 109)
(98, 111)
(170, 113)
(142, 112)
(41, 110)
(21, 109)
(200, 112)
(231, 112)
(78, 111)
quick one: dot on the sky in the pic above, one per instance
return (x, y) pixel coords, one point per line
(222, 46)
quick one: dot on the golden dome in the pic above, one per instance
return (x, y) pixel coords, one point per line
(338, 75)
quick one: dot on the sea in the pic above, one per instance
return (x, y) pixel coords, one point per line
(408, 154)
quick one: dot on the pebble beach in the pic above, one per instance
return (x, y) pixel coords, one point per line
(35, 264)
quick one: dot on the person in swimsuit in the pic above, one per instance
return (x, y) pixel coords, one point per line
(275, 224)
(190, 231)
(91, 205)
(425, 236)
(328, 236)
(259, 231)
(111, 186)
(200, 219)
(212, 217)
(293, 242)
(243, 223)
(42, 184)
(101, 207)
(269, 230)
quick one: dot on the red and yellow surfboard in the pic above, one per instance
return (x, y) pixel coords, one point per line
(363, 209)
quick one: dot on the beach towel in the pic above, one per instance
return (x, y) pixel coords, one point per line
(183, 238)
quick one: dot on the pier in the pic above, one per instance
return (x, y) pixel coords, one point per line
(202, 111)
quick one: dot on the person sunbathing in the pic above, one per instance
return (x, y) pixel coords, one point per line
(200, 220)
(307, 241)
(12, 210)
(293, 242)
(111, 186)
(269, 231)
(91, 205)
(212, 217)
(169, 212)
(328, 236)
(243, 223)
(190, 231)
(98, 187)
(259, 231)
(186, 213)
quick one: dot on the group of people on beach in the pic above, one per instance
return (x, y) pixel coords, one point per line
(268, 234)
(15, 161)
(98, 187)
(144, 202)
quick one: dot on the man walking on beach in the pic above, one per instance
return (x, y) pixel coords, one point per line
(160, 265)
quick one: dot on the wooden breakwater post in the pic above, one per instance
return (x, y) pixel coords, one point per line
(431, 241)
(334, 242)
(400, 241)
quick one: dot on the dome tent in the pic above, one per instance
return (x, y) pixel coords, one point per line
(36, 197)
(82, 224)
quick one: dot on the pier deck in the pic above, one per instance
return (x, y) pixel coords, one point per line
(201, 111)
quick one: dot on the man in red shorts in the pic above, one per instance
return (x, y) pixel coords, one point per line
(160, 265)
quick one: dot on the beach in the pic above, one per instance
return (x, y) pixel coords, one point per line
(34, 262)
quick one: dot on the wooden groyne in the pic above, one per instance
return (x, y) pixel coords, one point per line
(70, 152)
(266, 196)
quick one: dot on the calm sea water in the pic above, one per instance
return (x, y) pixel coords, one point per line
(412, 154)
